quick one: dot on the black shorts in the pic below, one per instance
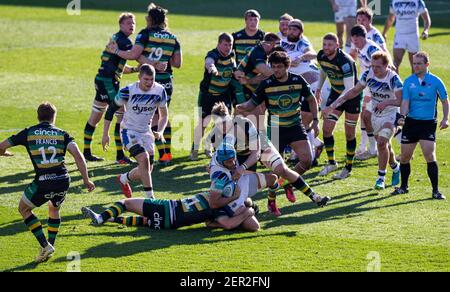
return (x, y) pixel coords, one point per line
(416, 130)
(287, 135)
(157, 212)
(40, 192)
(207, 101)
(106, 89)
(352, 106)
(168, 85)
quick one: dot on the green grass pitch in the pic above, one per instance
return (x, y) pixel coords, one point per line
(46, 54)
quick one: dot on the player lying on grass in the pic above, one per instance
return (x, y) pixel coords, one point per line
(252, 146)
(46, 146)
(227, 205)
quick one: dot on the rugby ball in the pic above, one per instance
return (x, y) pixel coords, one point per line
(229, 189)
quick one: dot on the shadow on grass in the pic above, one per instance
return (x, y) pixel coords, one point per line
(26, 267)
(18, 226)
(146, 240)
(182, 177)
(330, 212)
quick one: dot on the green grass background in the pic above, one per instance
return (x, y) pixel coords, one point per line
(47, 55)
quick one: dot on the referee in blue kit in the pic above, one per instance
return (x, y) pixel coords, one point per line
(421, 92)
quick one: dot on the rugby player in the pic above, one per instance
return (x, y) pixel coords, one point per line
(173, 214)
(363, 48)
(215, 87)
(340, 69)
(284, 25)
(406, 13)
(345, 18)
(253, 69)
(421, 92)
(245, 40)
(141, 99)
(364, 17)
(386, 90)
(157, 46)
(282, 95)
(47, 145)
(107, 83)
(252, 146)
(303, 55)
(226, 205)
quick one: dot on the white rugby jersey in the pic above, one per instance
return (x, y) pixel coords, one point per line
(296, 50)
(382, 89)
(407, 15)
(282, 37)
(140, 105)
(365, 54)
(375, 36)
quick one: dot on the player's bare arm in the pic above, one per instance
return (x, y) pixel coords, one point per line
(352, 93)
(3, 146)
(216, 200)
(389, 22)
(245, 108)
(132, 54)
(177, 60)
(229, 223)
(445, 109)
(426, 24)
(162, 122)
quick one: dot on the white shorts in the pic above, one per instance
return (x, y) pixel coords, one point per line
(325, 93)
(409, 42)
(344, 12)
(368, 107)
(379, 121)
(132, 138)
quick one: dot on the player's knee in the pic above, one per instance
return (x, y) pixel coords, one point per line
(24, 210)
(254, 227)
(430, 157)
(367, 117)
(271, 179)
(327, 131)
(382, 144)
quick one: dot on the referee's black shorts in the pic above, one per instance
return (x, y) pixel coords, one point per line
(416, 130)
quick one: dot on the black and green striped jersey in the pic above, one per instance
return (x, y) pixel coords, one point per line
(340, 67)
(243, 43)
(46, 146)
(159, 45)
(173, 214)
(218, 85)
(254, 57)
(112, 65)
(283, 99)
